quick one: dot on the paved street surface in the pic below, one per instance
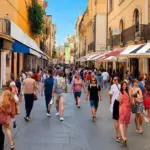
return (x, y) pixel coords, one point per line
(77, 132)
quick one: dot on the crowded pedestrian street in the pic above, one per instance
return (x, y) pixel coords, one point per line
(77, 131)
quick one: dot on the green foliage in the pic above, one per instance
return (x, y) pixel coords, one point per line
(36, 17)
(54, 54)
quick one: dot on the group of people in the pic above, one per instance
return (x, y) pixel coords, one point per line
(131, 95)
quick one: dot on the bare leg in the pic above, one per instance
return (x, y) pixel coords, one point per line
(117, 128)
(57, 106)
(122, 131)
(93, 112)
(137, 121)
(78, 100)
(8, 132)
(61, 108)
(148, 114)
(141, 121)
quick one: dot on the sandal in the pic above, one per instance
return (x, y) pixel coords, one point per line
(12, 146)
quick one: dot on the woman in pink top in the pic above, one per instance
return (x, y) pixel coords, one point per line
(77, 86)
(124, 111)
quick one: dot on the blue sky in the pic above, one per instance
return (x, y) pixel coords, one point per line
(65, 14)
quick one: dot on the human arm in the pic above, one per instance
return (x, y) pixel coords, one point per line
(99, 93)
(42, 89)
(110, 94)
(88, 93)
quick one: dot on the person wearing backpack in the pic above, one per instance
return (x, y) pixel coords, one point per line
(60, 90)
(94, 91)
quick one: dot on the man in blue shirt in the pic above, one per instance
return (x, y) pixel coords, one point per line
(48, 89)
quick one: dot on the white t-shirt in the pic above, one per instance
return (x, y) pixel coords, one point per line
(114, 91)
(105, 76)
(23, 76)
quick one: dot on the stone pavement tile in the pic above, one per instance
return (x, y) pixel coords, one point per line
(37, 146)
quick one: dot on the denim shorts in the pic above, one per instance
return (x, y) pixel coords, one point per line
(77, 94)
(94, 103)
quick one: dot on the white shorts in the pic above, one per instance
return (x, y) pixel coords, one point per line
(60, 97)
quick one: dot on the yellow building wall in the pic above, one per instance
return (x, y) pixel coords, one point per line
(125, 11)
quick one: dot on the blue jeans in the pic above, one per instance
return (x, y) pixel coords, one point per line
(105, 84)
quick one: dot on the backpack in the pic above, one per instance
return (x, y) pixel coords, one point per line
(61, 83)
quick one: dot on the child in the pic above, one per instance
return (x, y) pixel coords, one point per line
(14, 92)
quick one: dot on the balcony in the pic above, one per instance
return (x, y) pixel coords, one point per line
(133, 33)
(91, 47)
(5, 26)
(43, 47)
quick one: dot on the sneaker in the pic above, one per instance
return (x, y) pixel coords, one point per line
(27, 119)
(79, 106)
(94, 119)
(48, 114)
(118, 139)
(57, 114)
(61, 119)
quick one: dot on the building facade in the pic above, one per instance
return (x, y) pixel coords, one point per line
(128, 24)
(22, 49)
(92, 28)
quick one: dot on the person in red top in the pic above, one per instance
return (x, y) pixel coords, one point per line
(88, 77)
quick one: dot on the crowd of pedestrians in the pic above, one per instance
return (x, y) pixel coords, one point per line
(126, 96)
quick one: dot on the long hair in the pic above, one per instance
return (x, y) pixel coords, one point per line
(121, 90)
(6, 97)
(147, 85)
(94, 79)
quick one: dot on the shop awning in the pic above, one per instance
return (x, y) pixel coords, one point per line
(115, 52)
(111, 58)
(144, 49)
(35, 53)
(131, 49)
(89, 58)
(19, 35)
(20, 48)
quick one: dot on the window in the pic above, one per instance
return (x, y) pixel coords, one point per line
(137, 19)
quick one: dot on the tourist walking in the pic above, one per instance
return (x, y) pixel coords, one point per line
(124, 111)
(99, 79)
(105, 77)
(137, 105)
(7, 112)
(60, 90)
(77, 86)
(94, 93)
(48, 90)
(114, 105)
(29, 88)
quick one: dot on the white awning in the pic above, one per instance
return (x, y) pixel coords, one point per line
(89, 58)
(111, 58)
(33, 52)
(144, 49)
(18, 34)
(130, 49)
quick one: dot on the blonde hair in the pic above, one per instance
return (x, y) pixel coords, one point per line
(6, 97)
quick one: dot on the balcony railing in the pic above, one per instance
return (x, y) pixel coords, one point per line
(133, 33)
(5, 26)
(91, 47)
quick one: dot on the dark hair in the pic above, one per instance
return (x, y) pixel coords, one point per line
(121, 90)
(50, 72)
(141, 77)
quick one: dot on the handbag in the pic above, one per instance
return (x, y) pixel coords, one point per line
(133, 107)
(35, 97)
